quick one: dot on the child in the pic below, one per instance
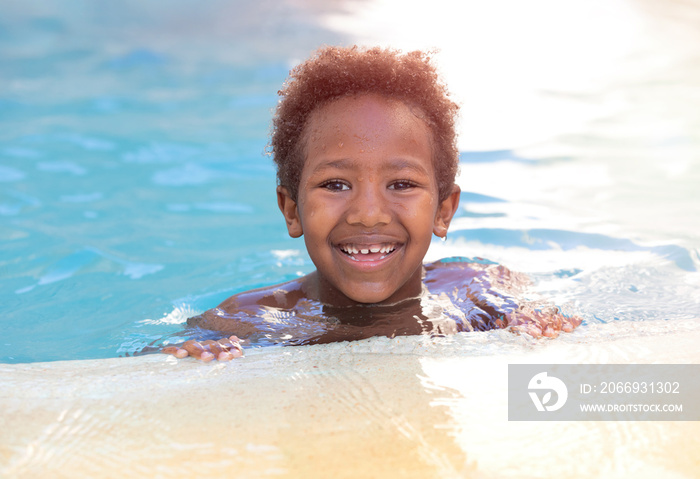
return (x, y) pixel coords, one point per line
(364, 143)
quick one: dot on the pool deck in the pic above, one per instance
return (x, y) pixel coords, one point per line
(341, 410)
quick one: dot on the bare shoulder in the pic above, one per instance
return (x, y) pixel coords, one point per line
(494, 297)
(241, 313)
(280, 296)
(448, 273)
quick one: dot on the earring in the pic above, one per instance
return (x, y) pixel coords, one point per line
(444, 238)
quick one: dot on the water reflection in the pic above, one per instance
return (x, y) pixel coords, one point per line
(602, 97)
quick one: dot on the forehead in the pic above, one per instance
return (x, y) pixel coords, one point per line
(369, 113)
(369, 126)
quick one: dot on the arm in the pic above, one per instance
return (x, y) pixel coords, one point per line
(492, 296)
(253, 316)
(535, 318)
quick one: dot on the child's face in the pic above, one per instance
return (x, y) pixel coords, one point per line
(368, 200)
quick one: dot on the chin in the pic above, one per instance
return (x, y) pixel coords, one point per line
(370, 296)
(367, 300)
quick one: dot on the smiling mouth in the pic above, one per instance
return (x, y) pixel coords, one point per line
(369, 252)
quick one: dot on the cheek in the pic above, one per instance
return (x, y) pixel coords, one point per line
(317, 218)
(420, 209)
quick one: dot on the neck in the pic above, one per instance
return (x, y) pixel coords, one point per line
(362, 315)
(317, 288)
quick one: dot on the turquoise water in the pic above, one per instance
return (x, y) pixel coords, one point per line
(135, 190)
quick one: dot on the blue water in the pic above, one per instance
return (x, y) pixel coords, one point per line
(135, 189)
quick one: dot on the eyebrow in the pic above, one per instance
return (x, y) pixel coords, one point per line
(396, 164)
(342, 164)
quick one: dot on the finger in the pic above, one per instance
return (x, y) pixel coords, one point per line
(531, 329)
(571, 323)
(518, 318)
(226, 344)
(213, 347)
(225, 356)
(175, 351)
(234, 338)
(521, 329)
(231, 344)
(196, 350)
(550, 332)
(534, 331)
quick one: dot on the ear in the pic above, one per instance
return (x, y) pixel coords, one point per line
(289, 209)
(446, 210)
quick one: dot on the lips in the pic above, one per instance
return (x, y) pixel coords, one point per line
(368, 252)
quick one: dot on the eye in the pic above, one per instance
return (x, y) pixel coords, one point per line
(335, 185)
(402, 185)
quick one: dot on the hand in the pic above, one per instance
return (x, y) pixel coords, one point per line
(225, 349)
(547, 322)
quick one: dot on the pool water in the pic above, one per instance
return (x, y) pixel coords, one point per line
(135, 189)
(132, 172)
(135, 192)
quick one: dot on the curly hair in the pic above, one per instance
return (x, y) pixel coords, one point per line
(336, 72)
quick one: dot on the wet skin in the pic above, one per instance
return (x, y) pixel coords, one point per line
(367, 207)
(462, 296)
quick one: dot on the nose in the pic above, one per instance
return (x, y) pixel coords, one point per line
(369, 207)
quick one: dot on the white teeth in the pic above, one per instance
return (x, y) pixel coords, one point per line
(353, 250)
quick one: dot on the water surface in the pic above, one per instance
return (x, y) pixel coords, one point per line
(134, 188)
